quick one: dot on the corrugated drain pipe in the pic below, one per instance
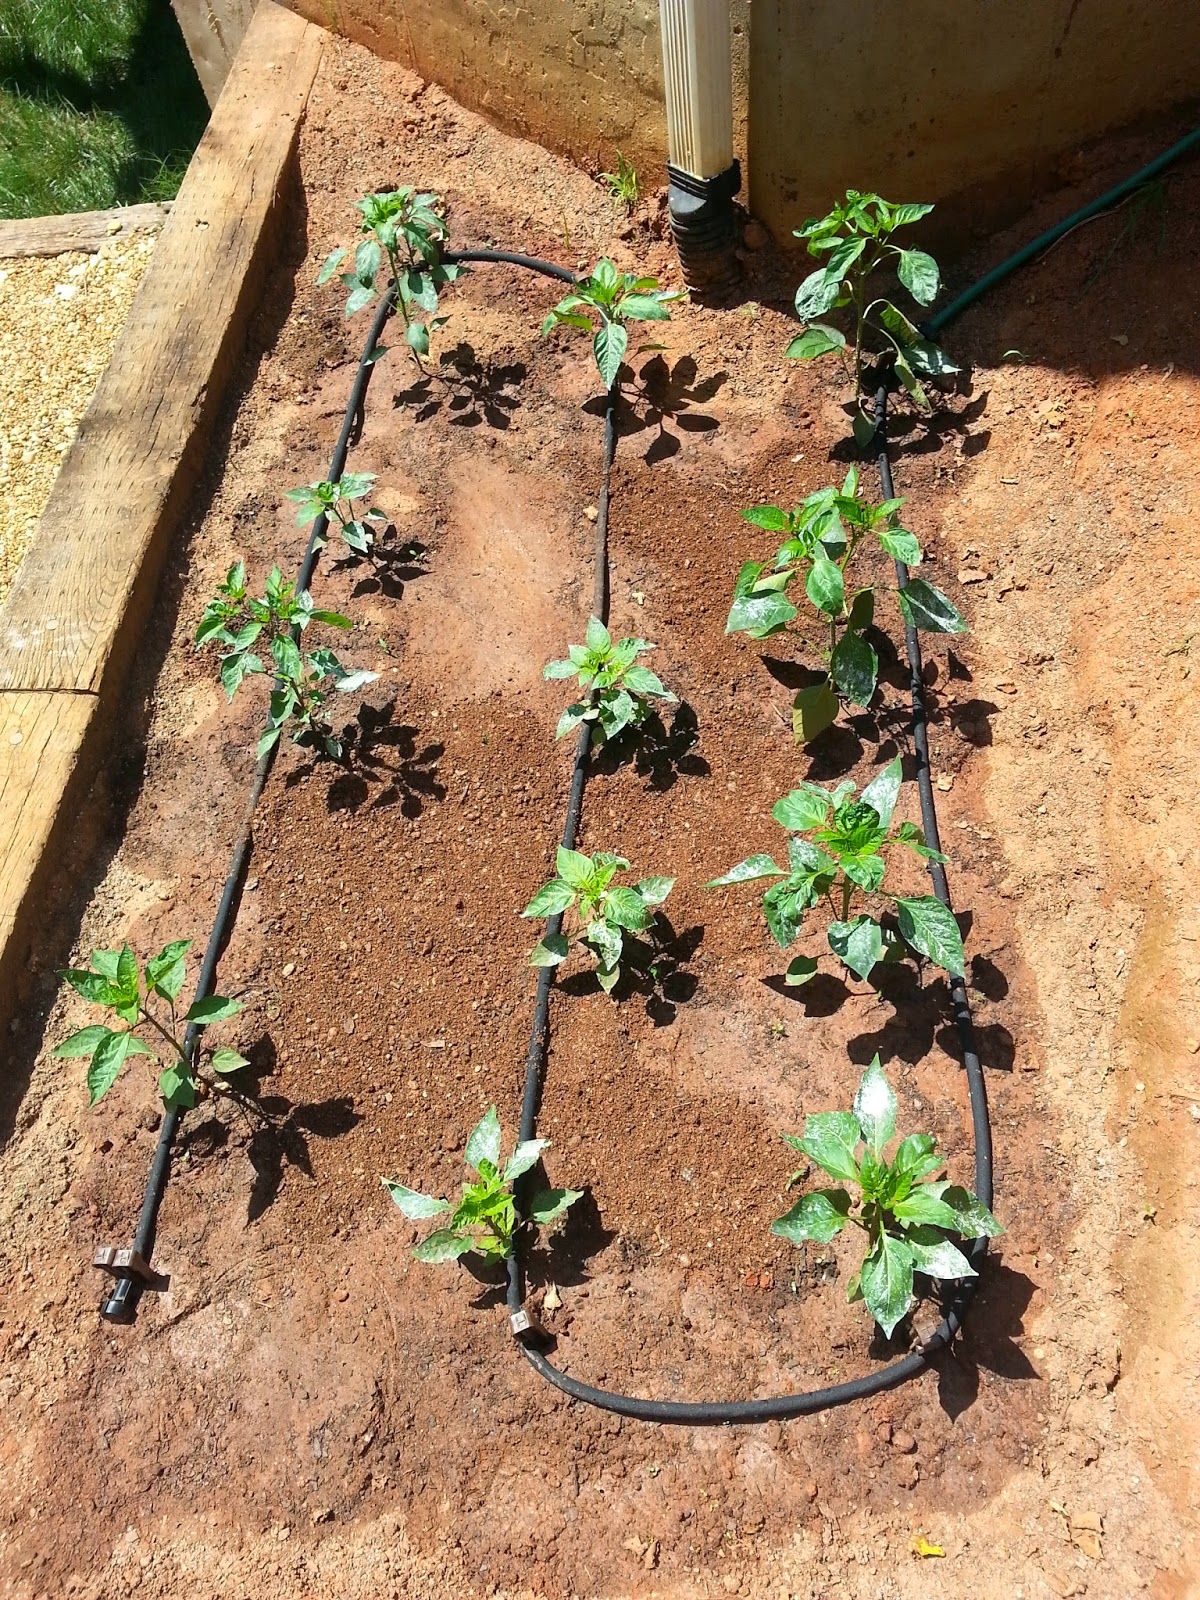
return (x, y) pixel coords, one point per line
(703, 174)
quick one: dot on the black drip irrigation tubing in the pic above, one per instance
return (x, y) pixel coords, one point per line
(120, 1304)
(775, 1408)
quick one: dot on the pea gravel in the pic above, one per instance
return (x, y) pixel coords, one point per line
(59, 319)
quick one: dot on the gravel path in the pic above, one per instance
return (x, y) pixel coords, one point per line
(59, 319)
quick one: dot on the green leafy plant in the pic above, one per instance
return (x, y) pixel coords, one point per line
(603, 303)
(336, 501)
(910, 1221)
(822, 538)
(617, 689)
(240, 625)
(409, 229)
(602, 911)
(142, 1000)
(622, 184)
(838, 856)
(486, 1216)
(855, 239)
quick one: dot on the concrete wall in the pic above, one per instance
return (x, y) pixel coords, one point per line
(918, 99)
(924, 99)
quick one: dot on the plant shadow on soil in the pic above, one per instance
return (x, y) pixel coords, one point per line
(659, 394)
(391, 565)
(470, 391)
(381, 764)
(655, 967)
(279, 1129)
(560, 1257)
(990, 1339)
(660, 754)
(919, 435)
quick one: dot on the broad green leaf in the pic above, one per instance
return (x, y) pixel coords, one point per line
(854, 668)
(226, 1060)
(908, 212)
(911, 382)
(609, 346)
(935, 1256)
(875, 1107)
(443, 1245)
(642, 681)
(918, 273)
(107, 1061)
(753, 867)
(883, 791)
(93, 986)
(858, 944)
(829, 1139)
(799, 971)
(917, 1155)
(866, 870)
(843, 256)
(81, 1043)
(784, 908)
(177, 1087)
(655, 890)
(330, 265)
(818, 1217)
(930, 360)
(900, 545)
(928, 608)
(526, 1155)
(642, 308)
(165, 972)
(607, 940)
(548, 952)
(552, 897)
(286, 654)
(804, 808)
(887, 1281)
(825, 585)
(864, 428)
(358, 298)
(551, 1204)
(862, 610)
(213, 1009)
(975, 1221)
(927, 925)
(484, 1141)
(573, 866)
(571, 718)
(347, 682)
(813, 710)
(608, 976)
(771, 518)
(818, 294)
(923, 1205)
(760, 614)
(625, 907)
(560, 669)
(817, 340)
(414, 1204)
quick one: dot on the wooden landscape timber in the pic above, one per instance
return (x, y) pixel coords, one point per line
(78, 606)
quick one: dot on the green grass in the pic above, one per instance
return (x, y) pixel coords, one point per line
(99, 105)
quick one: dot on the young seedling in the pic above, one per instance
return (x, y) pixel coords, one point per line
(238, 623)
(855, 240)
(408, 229)
(336, 501)
(602, 912)
(616, 688)
(604, 303)
(622, 184)
(147, 1000)
(486, 1216)
(822, 538)
(910, 1222)
(842, 860)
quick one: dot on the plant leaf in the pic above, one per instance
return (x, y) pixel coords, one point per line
(107, 1061)
(818, 1217)
(760, 614)
(883, 791)
(975, 1221)
(829, 1139)
(414, 1204)
(858, 944)
(854, 668)
(548, 952)
(928, 608)
(551, 898)
(813, 710)
(927, 925)
(526, 1155)
(918, 272)
(81, 1043)
(935, 1256)
(753, 867)
(799, 971)
(484, 1141)
(875, 1107)
(887, 1281)
(609, 346)
(655, 890)
(215, 1008)
(549, 1205)
(443, 1245)
(825, 585)
(227, 1060)
(817, 340)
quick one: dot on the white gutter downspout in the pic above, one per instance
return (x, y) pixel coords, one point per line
(704, 177)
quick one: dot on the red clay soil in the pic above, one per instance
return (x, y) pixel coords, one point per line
(306, 1410)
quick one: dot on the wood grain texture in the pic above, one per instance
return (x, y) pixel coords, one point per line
(213, 30)
(77, 609)
(76, 230)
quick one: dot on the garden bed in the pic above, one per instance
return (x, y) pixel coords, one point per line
(330, 1412)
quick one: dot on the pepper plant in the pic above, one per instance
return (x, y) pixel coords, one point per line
(409, 229)
(602, 912)
(617, 690)
(336, 502)
(486, 1216)
(910, 1222)
(855, 240)
(142, 1000)
(238, 623)
(623, 184)
(838, 855)
(604, 303)
(823, 537)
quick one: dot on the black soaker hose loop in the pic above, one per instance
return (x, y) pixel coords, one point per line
(778, 1408)
(120, 1304)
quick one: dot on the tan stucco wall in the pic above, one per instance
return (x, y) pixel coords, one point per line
(918, 99)
(924, 99)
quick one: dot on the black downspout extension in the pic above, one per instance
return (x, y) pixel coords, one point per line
(704, 225)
